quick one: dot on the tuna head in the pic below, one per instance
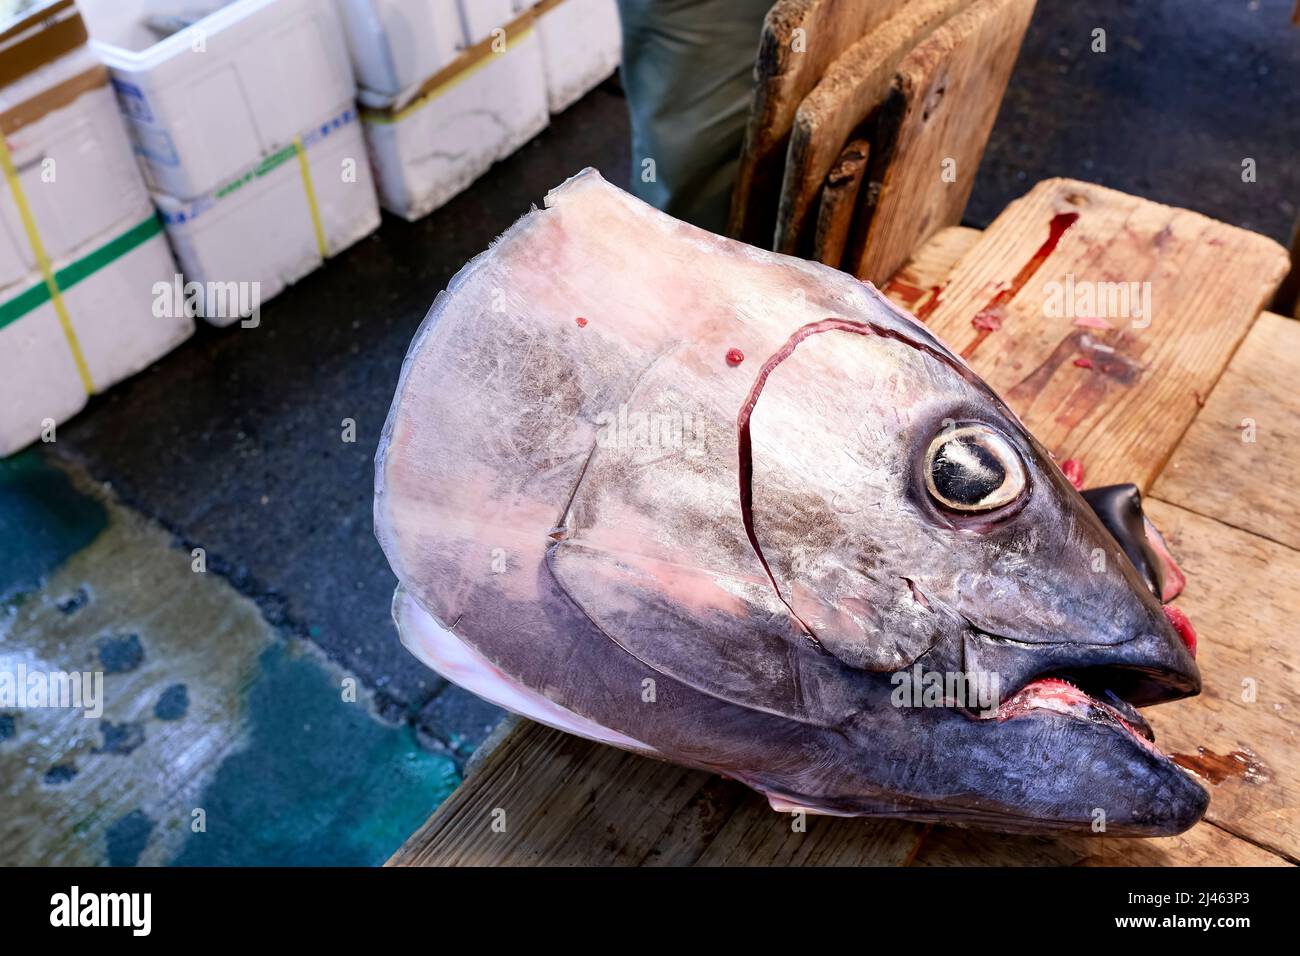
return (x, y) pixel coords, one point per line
(737, 510)
(914, 528)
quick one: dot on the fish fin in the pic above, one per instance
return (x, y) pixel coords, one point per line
(702, 628)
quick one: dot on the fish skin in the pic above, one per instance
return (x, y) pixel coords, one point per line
(582, 566)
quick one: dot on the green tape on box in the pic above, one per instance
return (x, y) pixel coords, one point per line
(83, 268)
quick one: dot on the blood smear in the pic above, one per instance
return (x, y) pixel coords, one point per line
(1073, 469)
(1083, 362)
(1183, 626)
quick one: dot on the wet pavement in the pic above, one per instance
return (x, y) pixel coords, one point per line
(266, 695)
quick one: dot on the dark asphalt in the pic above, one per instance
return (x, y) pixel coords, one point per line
(233, 442)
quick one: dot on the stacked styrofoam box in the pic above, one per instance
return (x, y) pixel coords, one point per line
(252, 83)
(443, 129)
(396, 44)
(91, 215)
(582, 44)
(448, 87)
(260, 228)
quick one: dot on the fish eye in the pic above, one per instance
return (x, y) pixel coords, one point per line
(973, 468)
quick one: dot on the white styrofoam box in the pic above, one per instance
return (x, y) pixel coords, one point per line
(481, 17)
(74, 163)
(427, 152)
(109, 293)
(582, 43)
(398, 44)
(211, 99)
(38, 378)
(260, 227)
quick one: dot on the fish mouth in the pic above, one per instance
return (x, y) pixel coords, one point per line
(1058, 695)
(1103, 692)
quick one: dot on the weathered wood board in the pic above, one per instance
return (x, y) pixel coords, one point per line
(839, 197)
(1118, 399)
(559, 800)
(853, 87)
(1203, 845)
(800, 40)
(569, 801)
(932, 132)
(1242, 596)
(1243, 449)
(916, 286)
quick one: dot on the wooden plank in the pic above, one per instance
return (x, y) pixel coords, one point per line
(756, 836)
(801, 38)
(547, 798)
(854, 86)
(931, 134)
(839, 197)
(1239, 460)
(1203, 845)
(916, 285)
(1121, 417)
(1241, 596)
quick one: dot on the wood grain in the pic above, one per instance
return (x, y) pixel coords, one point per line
(853, 88)
(1240, 459)
(916, 285)
(932, 132)
(1242, 595)
(1123, 416)
(562, 800)
(1203, 845)
(839, 197)
(801, 38)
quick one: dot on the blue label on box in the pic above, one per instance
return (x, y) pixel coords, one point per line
(134, 103)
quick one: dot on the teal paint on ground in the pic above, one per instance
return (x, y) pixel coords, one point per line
(321, 782)
(44, 520)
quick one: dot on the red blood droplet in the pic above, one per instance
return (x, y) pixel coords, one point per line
(1183, 626)
(735, 356)
(582, 323)
(1083, 362)
(1073, 469)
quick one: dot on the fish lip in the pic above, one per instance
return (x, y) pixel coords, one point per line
(1102, 683)
(1159, 672)
(1057, 695)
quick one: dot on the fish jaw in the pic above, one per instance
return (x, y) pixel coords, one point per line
(1050, 759)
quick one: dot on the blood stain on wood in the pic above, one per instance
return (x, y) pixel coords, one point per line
(1216, 768)
(1061, 222)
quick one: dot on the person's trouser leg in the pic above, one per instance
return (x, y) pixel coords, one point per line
(688, 69)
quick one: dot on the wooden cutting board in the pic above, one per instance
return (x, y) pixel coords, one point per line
(932, 132)
(1245, 443)
(1241, 597)
(801, 38)
(1118, 399)
(853, 88)
(839, 198)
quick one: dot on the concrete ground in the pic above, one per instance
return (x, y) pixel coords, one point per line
(261, 709)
